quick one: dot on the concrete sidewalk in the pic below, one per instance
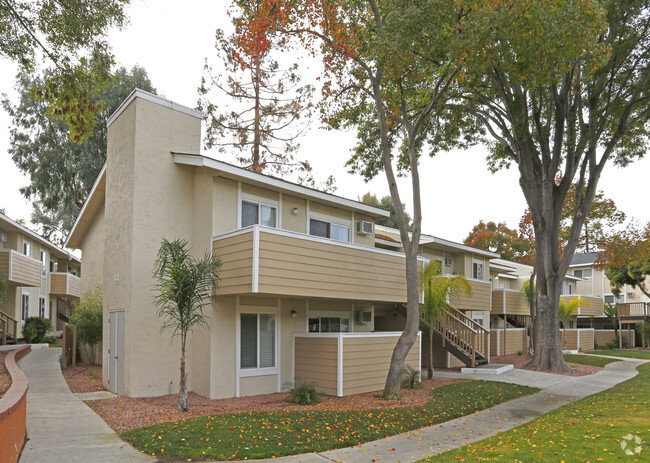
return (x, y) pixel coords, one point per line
(60, 427)
(557, 391)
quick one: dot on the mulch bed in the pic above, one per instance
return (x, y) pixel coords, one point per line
(84, 378)
(5, 378)
(125, 413)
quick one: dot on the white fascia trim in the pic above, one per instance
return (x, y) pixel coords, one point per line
(392, 244)
(376, 334)
(202, 161)
(256, 260)
(507, 276)
(339, 369)
(505, 268)
(575, 278)
(138, 93)
(83, 208)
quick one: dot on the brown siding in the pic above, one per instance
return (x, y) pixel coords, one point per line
(299, 267)
(74, 286)
(4, 264)
(497, 301)
(25, 271)
(514, 340)
(593, 307)
(236, 254)
(602, 337)
(516, 304)
(316, 361)
(58, 284)
(571, 339)
(586, 339)
(366, 361)
(480, 298)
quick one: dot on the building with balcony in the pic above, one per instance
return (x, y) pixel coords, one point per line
(301, 276)
(43, 279)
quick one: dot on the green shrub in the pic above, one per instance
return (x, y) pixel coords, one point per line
(611, 344)
(411, 377)
(88, 316)
(520, 353)
(36, 329)
(305, 394)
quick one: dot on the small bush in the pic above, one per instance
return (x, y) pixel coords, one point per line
(611, 345)
(520, 353)
(88, 316)
(305, 394)
(92, 374)
(411, 377)
(36, 329)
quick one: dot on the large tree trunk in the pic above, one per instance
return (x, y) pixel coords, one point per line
(548, 353)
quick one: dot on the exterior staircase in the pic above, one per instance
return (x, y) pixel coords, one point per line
(63, 309)
(463, 337)
(8, 329)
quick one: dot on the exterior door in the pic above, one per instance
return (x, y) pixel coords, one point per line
(116, 351)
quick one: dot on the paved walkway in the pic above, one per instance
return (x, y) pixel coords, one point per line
(60, 427)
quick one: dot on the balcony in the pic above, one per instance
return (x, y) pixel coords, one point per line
(589, 305)
(266, 260)
(509, 302)
(65, 284)
(479, 300)
(20, 269)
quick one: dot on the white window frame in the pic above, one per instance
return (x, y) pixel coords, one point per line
(41, 306)
(25, 296)
(332, 221)
(27, 248)
(259, 201)
(246, 372)
(43, 255)
(582, 271)
(482, 264)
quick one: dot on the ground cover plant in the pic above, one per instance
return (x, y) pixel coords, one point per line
(591, 429)
(264, 435)
(637, 354)
(584, 360)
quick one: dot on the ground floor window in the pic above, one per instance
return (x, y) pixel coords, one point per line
(24, 307)
(41, 307)
(257, 340)
(329, 324)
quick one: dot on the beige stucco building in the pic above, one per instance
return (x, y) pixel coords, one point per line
(43, 278)
(300, 279)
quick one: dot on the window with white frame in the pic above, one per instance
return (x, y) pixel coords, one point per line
(326, 227)
(257, 213)
(477, 270)
(27, 248)
(612, 299)
(41, 306)
(24, 307)
(257, 340)
(583, 273)
(329, 324)
(43, 263)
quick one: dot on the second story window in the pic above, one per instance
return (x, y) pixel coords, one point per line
(255, 213)
(27, 248)
(583, 273)
(43, 263)
(477, 270)
(329, 230)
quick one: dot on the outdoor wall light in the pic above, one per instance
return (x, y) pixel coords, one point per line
(294, 314)
(295, 211)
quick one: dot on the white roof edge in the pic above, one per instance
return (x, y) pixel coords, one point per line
(33, 234)
(429, 239)
(507, 275)
(83, 208)
(203, 161)
(138, 93)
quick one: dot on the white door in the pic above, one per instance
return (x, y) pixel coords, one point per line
(116, 351)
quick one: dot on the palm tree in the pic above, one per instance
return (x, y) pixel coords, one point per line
(611, 311)
(184, 286)
(566, 312)
(438, 292)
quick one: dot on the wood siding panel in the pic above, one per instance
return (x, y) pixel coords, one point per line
(594, 306)
(316, 361)
(366, 361)
(236, 254)
(58, 284)
(25, 271)
(514, 340)
(480, 298)
(497, 301)
(571, 339)
(586, 340)
(4, 264)
(74, 286)
(516, 304)
(602, 337)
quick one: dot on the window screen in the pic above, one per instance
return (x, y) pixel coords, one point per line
(248, 341)
(340, 233)
(477, 272)
(248, 214)
(268, 216)
(267, 340)
(319, 228)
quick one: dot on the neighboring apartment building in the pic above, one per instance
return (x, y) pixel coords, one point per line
(43, 278)
(300, 280)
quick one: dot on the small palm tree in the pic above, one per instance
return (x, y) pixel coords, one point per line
(438, 292)
(567, 310)
(611, 312)
(184, 286)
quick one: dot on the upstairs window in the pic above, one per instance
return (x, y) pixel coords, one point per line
(27, 248)
(329, 230)
(477, 270)
(258, 214)
(583, 273)
(329, 324)
(43, 263)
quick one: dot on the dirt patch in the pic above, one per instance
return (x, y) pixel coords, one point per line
(124, 413)
(5, 378)
(84, 378)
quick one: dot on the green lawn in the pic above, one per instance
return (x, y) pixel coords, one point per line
(264, 435)
(584, 360)
(628, 353)
(588, 430)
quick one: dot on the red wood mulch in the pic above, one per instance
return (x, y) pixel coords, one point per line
(5, 378)
(84, 378)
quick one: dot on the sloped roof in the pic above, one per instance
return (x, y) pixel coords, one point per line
(587, 258)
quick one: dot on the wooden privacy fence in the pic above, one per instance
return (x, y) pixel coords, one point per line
(69, 345)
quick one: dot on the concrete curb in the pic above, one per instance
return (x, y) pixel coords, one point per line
(13, 408)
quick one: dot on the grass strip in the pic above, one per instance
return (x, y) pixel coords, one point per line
(584, 360)
(589, 430)
(627, 353)
(272, 434)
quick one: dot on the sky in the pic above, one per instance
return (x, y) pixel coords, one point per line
(172, 39)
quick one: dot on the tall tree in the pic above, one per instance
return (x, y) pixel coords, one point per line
(254, 106)
(387, 203)
(61, 172)
(563, 90)
(626, 258)
(185, 285)
(387, 75)
(69, 37)
(497, 237)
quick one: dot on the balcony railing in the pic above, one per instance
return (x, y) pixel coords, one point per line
(65, 284)
(481, 298)
(509, 302)
(20, 270)
(266, 260)
(634, 309)
(589, 305)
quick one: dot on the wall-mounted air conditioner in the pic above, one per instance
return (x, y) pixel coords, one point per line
(364, 227)
(449, 261)
(364, 316)
(630, 294)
